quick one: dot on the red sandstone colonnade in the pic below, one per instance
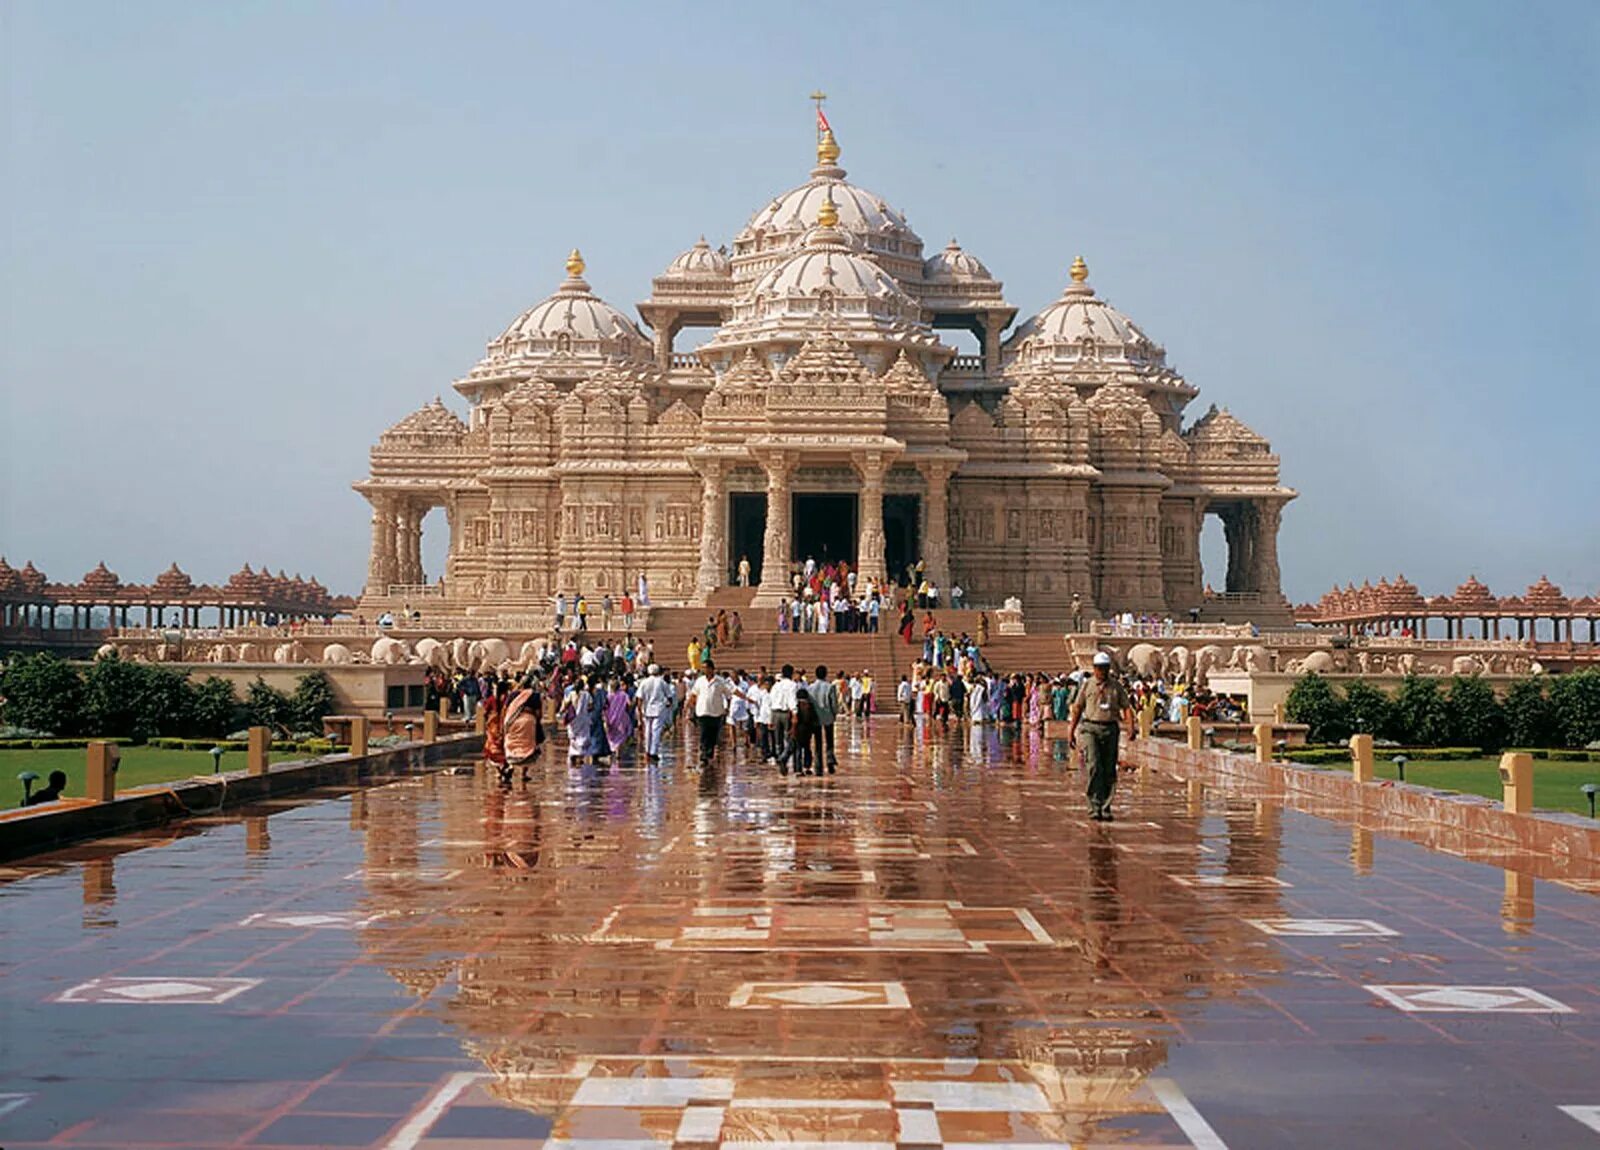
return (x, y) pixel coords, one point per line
(1391, 607)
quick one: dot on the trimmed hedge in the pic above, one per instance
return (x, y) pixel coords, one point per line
(58, 744)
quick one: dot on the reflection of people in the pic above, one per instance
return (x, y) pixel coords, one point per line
(1100, 706)
(58, 785)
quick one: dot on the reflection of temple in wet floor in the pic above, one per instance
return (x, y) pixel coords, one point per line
(934, 947)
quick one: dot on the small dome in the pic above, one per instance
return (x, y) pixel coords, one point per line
(574, 314)
(1081, 315)
(954, 263)
(827, 269)
(702, 260)
(101, 580)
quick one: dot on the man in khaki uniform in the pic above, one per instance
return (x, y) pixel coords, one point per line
(1102, 704)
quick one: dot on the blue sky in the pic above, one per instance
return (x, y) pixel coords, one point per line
(241, 239)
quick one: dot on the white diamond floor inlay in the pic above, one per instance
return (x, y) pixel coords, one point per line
(1470, 999)
(1322, 927)
(310, 920)
(159, 991)
(820, 996)
(1588, 1115)
(1231, 881)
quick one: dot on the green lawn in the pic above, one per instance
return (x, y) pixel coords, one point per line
(1555, 785)
(140, 765)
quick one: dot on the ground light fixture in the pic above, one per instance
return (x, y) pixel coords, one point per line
(1590, 790)
(216, 759)
(1399, 762)
(28, 778)
(409, 728)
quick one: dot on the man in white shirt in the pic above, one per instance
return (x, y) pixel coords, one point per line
(739, 708)
(655, 704)
(780, 701)
(710, 697)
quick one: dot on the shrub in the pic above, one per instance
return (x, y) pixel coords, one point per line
(213, 706)
(1575, 701)
(312, 699)
(43, 693)
(1475, 714)
(266, 706)
(1367, 708)
(1530, 718)
(1314, 702)
(1419, 714)
(142, 700)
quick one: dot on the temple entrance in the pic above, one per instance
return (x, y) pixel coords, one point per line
(747, 532)
(824, 528)
(902, 535)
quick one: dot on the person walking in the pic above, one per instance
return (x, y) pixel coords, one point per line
(710, 697)
(744, 570)
(655, 704)
(780, 702)
(1101, 707)
(825, 697)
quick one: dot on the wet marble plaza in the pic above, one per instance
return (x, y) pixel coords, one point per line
(933, 947)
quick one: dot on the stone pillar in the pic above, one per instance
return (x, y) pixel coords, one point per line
(360, 730)
(100, 780)
(1266, 575)
(1361, 762)
(870, 537)
(713, 514)
(1263, 733)
(381, 563)
(775, 543)
(1195, 731)
(1516, 781)
(936, 530)
(430, 727)
(256, 750)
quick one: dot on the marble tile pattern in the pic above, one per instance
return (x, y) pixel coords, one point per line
(934, 948)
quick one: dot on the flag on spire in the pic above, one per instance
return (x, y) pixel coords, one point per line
(822, 120)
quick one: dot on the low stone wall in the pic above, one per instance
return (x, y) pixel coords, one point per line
(1443, 820)
(32, 830)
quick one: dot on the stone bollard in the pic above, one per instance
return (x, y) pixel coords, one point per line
(1280, 714)
(1361, 757)
(1147, 722)
(1197, 732)
(360, 732)
(480, 721)
(1516, 778)
(1263, 742)
(257, 750)
(444, 707)
(430, 727)
(100, 783)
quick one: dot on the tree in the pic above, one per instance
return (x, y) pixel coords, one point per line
(1419, 715)
(266, 706)
(1530, 718)
(213, 707)
(1476, 718)
(1367, 708)
(1575, 699)
(1314, 702)
(312, 699)
(134, 700)
(42, 693)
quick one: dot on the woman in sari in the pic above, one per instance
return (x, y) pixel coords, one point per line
(522, 729)
(908, 622)
(600, 698)
(738, 629)
(494, 728)
(983, 628)
(722, 632)
(577, 712)
(618, 717)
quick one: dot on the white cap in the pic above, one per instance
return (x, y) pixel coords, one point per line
(1101, 659)
(653, 669)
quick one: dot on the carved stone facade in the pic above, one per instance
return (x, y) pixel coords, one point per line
(824, 412)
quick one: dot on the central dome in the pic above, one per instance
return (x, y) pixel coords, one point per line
(827, 275)
(865, 219)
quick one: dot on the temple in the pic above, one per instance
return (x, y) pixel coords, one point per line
(823, 416)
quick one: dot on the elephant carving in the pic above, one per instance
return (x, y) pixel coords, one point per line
(1466, 665)
(1319, 662)
(1146, 659)
(488, 654)
(1207, 659)
(1250, 657)
(461, 654)
(529, 655)
(337, 654)
(221, 653)
(1178, 661)
(106, 651)
(1407, 663)
(433, 653)
(292, 652)
(390, 652)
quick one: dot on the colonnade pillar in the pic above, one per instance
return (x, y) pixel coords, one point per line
(383, 562)
(774, 585)
(936, 530)
(713, 510)
(870, 537)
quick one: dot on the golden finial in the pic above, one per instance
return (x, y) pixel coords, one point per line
(1080, 270)
(827, 149)
(828, 214)
(575, 264)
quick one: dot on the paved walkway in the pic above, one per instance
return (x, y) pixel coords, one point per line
(934, 947)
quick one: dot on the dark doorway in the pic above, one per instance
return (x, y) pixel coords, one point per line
(824, 528)
(902, 537)
(747, 532)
